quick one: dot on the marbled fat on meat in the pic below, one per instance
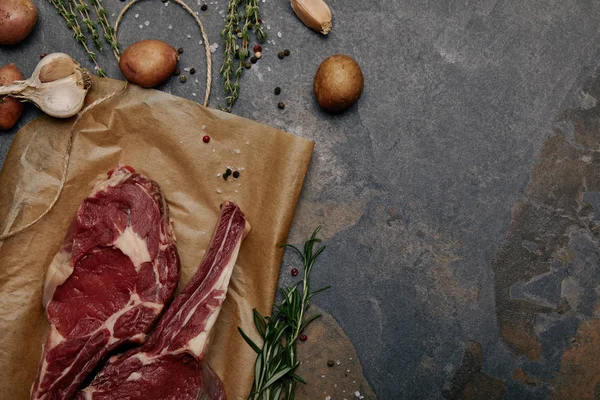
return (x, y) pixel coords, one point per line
(108, 283)
(169, 366)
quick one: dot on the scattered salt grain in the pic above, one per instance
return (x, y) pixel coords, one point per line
(348, 370)
(214, 47)
(338, 362)
(147, 23)
(170, 26)
(200, 42)
(196, 80)
(113, 14)
(322, 376)
(189, 36)
(247, 142)
(194, 94)
(241, 169)
(141, 26)
(353, 381)
(186, 69)
(269, 27)
(137, 15)
(357, 394)
(167, 4)
(219, 190)
(237, 151)
(328, 398)
(218, 175)
(203, 127)
(278, 34)
(269, 69)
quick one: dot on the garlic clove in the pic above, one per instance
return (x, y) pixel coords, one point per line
(313, 13)
(58, 86)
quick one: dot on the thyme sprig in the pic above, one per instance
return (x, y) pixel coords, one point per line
(237, 40)
(109, 31)
(68, 8)
(277, 360)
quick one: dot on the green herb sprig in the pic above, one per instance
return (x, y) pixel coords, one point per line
(68, 8)
(237, 40)
(277, 360)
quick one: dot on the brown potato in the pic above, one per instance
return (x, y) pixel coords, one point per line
(148, 62)
(17, 19)
(10, 109)
(338, 83)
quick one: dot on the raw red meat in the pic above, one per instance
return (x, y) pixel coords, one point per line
(108, 283)
(169, 365)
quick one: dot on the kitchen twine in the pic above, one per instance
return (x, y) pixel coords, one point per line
(204, 38)
(67, 157)
(66, 160)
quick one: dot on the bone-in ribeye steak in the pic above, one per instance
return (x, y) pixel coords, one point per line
(108, 283)
(169, 365)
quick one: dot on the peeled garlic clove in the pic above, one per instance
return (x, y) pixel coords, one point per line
(313, 13)
(58, 86)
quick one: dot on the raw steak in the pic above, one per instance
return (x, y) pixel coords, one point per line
(169, 365)
(109, 282)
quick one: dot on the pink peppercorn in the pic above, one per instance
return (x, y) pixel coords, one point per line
(206, 139)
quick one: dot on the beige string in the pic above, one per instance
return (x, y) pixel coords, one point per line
(204, 37)
(66, 160)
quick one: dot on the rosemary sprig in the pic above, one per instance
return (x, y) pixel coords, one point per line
(277, 360)
(232, 34)
(230, 82)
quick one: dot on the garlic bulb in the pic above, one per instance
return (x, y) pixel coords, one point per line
(313, 13)
(58, 86)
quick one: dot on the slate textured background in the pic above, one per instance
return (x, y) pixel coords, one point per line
(458, 198)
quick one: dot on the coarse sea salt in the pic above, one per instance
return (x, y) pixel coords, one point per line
(170, 26)
(141, 26)
(189, 36)
(147, 23)
(219, 190)
(279, 34)
(137, 15)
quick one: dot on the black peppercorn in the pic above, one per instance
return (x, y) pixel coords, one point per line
(225, 176)
(182, 79)
(280, 55)
(247, 65)
(204, 7)
(180, 50)
(330, 363)
(176, 72)
(286, 52)
(253, 60)
(281, 105)
(236, 174)
(192, 71)
(228, 172)
(277, 90)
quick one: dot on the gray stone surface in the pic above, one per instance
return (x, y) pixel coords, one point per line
(416, 185)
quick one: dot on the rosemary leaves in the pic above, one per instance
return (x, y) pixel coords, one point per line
(277, 360)
(242, 17)
(68, 8)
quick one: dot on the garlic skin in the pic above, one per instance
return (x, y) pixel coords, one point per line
(313, 13)
(58, 86)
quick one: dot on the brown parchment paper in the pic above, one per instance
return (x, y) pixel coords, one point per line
(160, 135)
